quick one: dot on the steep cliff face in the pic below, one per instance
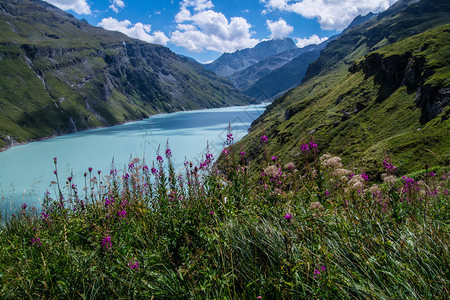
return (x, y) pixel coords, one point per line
(59, 75)
(409, 70)
(394, 99)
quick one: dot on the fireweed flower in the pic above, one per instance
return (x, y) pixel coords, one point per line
(133, 266)
(168, 153)
(242, 153)
(159, 159)
(106, 243)
(36, 242)
(365, 176)
(229, 138)
(274, 158)
(312, 145)
(304, 147)
(90, 170)
(287, 217)
(263, 139)
(24, 206)
(225, 151)
(122, 213)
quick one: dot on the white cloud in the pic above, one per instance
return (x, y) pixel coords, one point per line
(79, 6)
(200, 28)
(331, 14)
(279, 29)
(314, 39)
(139, 31)
(117, 5)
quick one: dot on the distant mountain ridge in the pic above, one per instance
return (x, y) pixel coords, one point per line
(267, 77)
(59, 75)
(381, 88)
(229, 63)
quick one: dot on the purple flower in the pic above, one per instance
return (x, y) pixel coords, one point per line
(159, 159)
(69, 178)
(323, 268)
(154, 171)
(316, 272)
(24, 206)
(145, 168)
(107, 202)
(122, 213)
(36, 242)
(55, 172)
(90, 170)
(98, 172)
(225, 151)
(274, 158)
(212, 213)
(432, 174)
(304, 147)
(55, 160)
(242, 153)
(229, 138)
(263, 139)
(287, 217)
(365, 176)
(134, 266)
(168, 153)
(106, 243)
(312, 145)
(327, 193)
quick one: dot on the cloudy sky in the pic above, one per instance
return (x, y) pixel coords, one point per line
(204, 29)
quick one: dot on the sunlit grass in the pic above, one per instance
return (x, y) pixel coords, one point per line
(309, 229)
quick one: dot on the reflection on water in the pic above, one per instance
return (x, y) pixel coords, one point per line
(26, 171)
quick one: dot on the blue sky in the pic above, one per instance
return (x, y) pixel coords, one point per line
(204, 29)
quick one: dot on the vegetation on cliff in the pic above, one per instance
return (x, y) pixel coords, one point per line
(60, 75)
(392, 99)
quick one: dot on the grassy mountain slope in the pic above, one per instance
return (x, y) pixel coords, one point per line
(59, 75)
(394, 99)
(403, 19)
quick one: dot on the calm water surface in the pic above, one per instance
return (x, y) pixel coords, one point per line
(26, 171)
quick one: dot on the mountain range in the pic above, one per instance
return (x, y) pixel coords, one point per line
(381, 88)
(59, 74)
(272, 67)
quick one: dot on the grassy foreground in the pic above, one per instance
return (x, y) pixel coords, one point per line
(307, 229)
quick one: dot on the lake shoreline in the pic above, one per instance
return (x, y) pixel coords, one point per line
(14, 144)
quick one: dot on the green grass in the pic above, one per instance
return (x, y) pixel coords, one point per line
(358, 115)
(146, 232)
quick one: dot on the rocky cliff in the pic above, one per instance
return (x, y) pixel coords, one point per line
(59, 75)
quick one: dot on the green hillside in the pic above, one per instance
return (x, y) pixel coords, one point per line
(394, 100)
(59, 74)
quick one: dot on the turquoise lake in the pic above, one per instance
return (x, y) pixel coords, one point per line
(27, 170)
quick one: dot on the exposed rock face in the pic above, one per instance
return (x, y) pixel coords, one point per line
(74, 76)
(406, 70)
